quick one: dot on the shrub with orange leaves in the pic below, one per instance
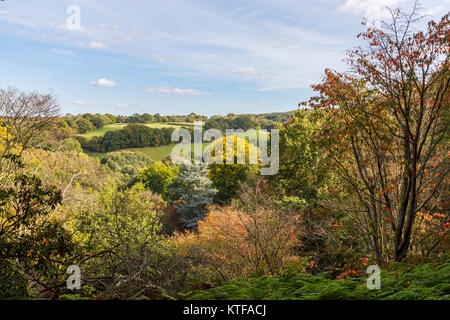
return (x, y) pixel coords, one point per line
(242, 240)
(432, 233)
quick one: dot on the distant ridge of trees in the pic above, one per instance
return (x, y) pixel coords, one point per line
(87, 122)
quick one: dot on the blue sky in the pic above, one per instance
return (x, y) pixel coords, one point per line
(176, 57)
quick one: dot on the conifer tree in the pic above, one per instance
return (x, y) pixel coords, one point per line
(194, 191)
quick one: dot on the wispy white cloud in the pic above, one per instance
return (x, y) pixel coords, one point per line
(435, 10)
(15, 21)
(102, 82)
(161, 59)
(98, 45)
(62, 52)
(176, 91)
(371, 9)
(245, 71)
(80, 103)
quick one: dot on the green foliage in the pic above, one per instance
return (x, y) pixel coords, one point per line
(91, 123)
(87, 122)
(53, 135)
(157, 177)
(227, 178)
(193, 190)
(404, 282)
(301, 172)
(127, 163)
(95, 144)
(30, 243)
(231, 121)
(64, 170)
(84, 125)
(131, 256)
(246, 121)
(98, 121)
(72, 297)
(130, 136)
(71, 144)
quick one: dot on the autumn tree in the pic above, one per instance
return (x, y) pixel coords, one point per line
(227, 177)
(251, 237)
(388, 122)
(26, 116)
(157, 177)
(33, 247)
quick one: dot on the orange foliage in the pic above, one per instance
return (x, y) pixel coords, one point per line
(238, 243)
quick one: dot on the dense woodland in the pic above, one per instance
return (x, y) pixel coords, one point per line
(363, 180)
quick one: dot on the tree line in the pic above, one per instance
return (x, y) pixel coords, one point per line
(87, 122)
(131, 136)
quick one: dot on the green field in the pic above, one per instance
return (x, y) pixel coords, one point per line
(117, 126)
(156, 153)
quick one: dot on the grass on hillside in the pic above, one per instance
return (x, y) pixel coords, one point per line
(404, 282)
(117, 126)
(158, 153)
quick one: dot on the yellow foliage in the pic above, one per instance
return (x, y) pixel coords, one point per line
(7, 143)
(241, 149)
